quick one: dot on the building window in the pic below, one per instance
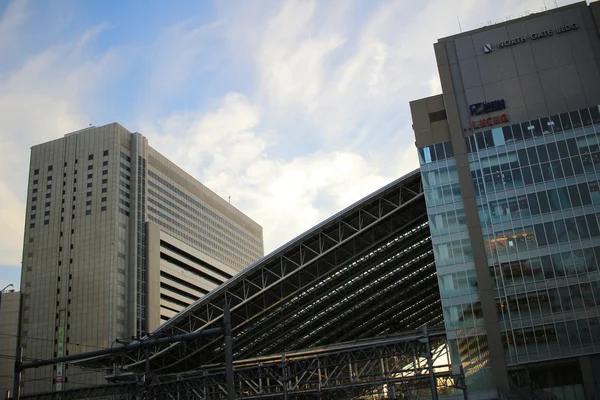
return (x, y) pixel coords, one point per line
(90, 176)
(103, 208)
(90, 167)
(34, 190)
(32, 225)
(46, 213)
(105, 163)
(88, 203)
(36, 171)
(105, 180)
(48, 187)
(46, 222)
(104, 199)
(32, 216)
(35, 181)
(91, 157)
(88, 212)
(105, 172)
(49, 168)
(48, 195)
(47, 204)
(105, 153)
(89, 184)
(89, 194)
(104, 190)
(50, 178)
(33, 208)
(123, 211)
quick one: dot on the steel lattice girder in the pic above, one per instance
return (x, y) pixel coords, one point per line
(123, 391)
(338, 371)
(373, 260)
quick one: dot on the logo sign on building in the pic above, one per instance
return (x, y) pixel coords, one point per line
(487, 48)
(487, 107)
(489, 121)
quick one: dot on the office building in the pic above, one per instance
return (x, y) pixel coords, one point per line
(9, 332)
(510, 159)
(117, 240)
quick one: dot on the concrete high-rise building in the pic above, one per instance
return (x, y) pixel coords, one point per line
(9, 332)
(117, 240)
(510, 159)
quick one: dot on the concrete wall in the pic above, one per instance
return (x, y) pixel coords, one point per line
(538, 77)
(9, 330)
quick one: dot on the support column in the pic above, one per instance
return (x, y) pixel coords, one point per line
(228, 352)
(432, 382)
(589, 386)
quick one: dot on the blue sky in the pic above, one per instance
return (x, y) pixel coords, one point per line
(294, 108)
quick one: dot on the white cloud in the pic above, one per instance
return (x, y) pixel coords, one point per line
(13, 19)
(225, 149)
(320, 117)
(340, 90)
(42, 99)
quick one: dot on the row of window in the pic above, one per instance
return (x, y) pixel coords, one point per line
(586, 117)
(195, 243)
(553, 336)
(435, 152)
(463, 316)
(548, 301)
(529, 166)
(186, 228)
(558, 265)
(37, 170)
(542, 202)
(543, 234)
(190, 200)
(196, 224)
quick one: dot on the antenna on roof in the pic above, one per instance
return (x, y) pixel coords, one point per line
(459, 27)
(229, 197)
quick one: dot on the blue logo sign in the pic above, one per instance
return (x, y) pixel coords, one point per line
(487, 107)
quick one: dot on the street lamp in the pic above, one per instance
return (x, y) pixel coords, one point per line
(6, 287)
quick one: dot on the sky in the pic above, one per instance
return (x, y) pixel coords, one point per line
(294, 108)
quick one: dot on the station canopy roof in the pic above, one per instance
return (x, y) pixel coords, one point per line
(367, 271)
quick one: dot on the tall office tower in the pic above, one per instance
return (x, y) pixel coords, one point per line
(117, 240)
(510, 157)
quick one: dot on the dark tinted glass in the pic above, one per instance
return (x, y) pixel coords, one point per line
(595, 115)
(556, 124)
(575, 119)
(586, 118)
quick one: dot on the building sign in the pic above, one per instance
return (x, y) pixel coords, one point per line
(534, 36)
(489, 121)
(487, 107)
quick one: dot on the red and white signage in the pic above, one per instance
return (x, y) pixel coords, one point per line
(489, 121)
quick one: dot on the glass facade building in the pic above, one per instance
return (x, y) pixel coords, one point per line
(510, 161)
